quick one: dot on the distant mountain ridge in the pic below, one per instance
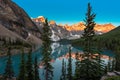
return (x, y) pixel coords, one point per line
(115, 33)
(70, 31)
(16, 25)
(78, 26)
(109, 40)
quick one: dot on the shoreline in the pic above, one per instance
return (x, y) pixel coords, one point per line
(14, 51)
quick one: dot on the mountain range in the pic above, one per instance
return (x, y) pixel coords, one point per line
(74, 31)
(16, 25)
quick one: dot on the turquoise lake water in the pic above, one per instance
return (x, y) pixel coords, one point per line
(59, 52)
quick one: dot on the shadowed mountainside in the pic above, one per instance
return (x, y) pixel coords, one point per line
(15, 22)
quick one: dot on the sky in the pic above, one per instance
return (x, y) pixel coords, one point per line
(72, 11)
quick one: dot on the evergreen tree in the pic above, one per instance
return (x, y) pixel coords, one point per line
(36, 73)
(117, 59)
(63, 76)
(109, 65)
(69, 68)
(89, 23)
(22, 72)
(29, 67)
(90, 65)
(113, 64)
(105, 70)
(77, 67)
(65, 71)
(46, 51)
(9, 73)
(100, 66)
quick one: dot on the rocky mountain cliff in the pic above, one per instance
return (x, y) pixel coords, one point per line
(15, 20)
(16, 25)
(70, 31)
(58, 32)
(98, 27)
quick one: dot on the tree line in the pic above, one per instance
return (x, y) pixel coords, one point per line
(27, 70)
(89, 67)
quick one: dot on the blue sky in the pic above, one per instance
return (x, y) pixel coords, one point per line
(72, 11)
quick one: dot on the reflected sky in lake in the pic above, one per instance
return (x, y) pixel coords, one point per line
(59, 52)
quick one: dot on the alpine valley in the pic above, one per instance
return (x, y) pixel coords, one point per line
(16, 25)
(41, 49)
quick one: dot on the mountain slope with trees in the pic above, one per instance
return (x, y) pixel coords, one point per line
(111, 39)
(17, 21)
(115, 33)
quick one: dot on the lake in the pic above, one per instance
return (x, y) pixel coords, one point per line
(59, 52)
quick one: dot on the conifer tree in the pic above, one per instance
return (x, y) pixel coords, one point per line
(69, 67)
(77, 67)
(113, 64)
(105, 70)
(22, 72)
(89, 23)
(29, 67)
(9, 73)
(46, 52)
(90, 66)
(100, 66)
(65, 71)
(109, 65)
(36, 73)
(63, 75)
(117, 59)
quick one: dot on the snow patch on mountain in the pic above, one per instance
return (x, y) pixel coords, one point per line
(54, 37)
(75, 36)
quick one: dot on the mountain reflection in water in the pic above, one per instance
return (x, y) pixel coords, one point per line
(59, 52)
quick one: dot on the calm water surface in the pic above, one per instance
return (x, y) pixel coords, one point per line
(59, 52)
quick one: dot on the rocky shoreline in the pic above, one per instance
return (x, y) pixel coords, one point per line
(14, 51)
